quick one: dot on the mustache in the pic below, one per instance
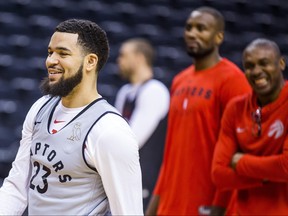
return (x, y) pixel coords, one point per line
(55, 68)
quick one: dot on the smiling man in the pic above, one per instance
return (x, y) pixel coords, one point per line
(251, 154)
(77, 155)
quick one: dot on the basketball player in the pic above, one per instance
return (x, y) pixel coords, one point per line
(199, 95)
(77, 155)
(136, 101)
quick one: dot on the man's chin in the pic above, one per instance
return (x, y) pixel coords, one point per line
(191, 51)
(191, 54)
(52, 80)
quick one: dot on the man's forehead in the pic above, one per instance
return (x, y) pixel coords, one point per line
(195, 14)
(259, 52)
(64, 38)
(128, 46)
(201, 16)
(260, 48)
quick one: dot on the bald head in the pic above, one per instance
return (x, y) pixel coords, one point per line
(143, 47)
(264, 66)
(264, 44)
(219, 19)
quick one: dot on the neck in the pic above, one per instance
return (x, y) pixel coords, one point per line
(81, 95)
(141, 75)
(266, 99)
(75, 102)
(207, 61)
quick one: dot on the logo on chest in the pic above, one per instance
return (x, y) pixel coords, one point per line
(276, 129)
(76, 132)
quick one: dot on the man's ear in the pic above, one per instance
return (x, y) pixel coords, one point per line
(282, 63)
(219, 37)
(91, 61)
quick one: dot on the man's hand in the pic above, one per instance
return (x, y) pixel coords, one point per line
(236, 157)
(211, 211)
(217, 211)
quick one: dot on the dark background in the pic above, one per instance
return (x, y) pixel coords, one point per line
(26, 27)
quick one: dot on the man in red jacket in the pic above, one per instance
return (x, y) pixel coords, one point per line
(199, 95)
(251, 154)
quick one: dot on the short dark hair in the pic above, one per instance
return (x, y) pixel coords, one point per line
(144, 47)
(265, 43)
(216, 14)
(91, 37)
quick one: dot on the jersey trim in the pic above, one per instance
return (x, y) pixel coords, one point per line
(83, 145)
(42, 108)
(80, 113)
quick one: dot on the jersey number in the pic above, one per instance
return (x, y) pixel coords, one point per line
(44, 178)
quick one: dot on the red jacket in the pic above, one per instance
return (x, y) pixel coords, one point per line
(266, 156)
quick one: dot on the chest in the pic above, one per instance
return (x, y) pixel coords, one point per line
(263, 137)
(195, 94)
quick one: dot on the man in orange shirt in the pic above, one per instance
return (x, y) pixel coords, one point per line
(251, 154)
(199, 95)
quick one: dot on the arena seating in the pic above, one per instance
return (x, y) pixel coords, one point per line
(26, 26)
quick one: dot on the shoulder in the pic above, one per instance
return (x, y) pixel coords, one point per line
(155, 82)
(125, 88)
(230, 69)
(39, 103)
(111, 130)
(183, 74)
(239, 102)
(230, 75)
(154, 86)
(30, 117)
(112, 123)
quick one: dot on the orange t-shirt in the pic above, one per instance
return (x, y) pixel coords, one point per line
(198, 99)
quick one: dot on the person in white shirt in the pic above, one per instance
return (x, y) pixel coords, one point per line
(77, 155)
(144, 102)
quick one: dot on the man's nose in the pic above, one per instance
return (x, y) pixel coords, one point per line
(256, 70)
(52, 60)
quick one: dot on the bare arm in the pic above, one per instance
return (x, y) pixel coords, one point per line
(152, 206)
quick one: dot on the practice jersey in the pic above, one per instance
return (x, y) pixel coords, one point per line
(198, 99)
(61, 178)
(137, 104)
(88, 167)
(262, 137)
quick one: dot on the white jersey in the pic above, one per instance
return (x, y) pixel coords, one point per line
(151, 106)
(78, 179)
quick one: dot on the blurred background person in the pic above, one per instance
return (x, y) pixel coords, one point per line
(199, 95)
(144, 102)
(251, 153)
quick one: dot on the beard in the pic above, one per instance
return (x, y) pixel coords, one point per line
(64, 86)
(201, 53)
(125, 73)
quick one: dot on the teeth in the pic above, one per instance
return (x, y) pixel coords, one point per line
(261, 82)
(55, 73)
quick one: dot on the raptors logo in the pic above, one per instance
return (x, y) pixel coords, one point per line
(276, 129)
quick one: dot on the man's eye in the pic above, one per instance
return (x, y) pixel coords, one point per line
(248, 66)
(50, 53)
(200, 28)
(264, 63)
(63, 54)
(188, 27)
